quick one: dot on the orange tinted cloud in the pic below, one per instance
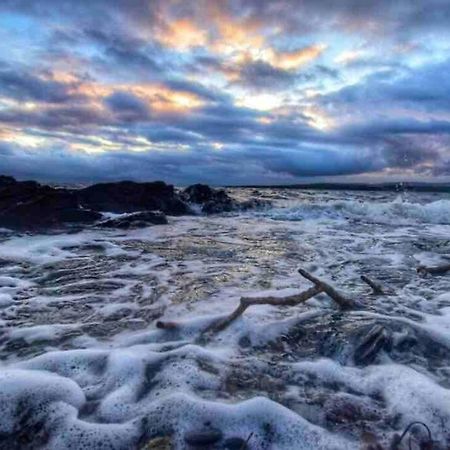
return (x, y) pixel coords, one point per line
(182, 34)
(296, 58)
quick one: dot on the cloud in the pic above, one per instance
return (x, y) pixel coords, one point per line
(296, 58)
(224, 91)
(127, 106)
(21, 85)
(426, 87)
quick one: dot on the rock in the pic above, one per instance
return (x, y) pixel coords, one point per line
(235, 443)
(128, 196)
(159, 443)
(254, 203)
(203, 437)
(376, 339)
(215, 201)
(199, 193)
(28, 205)
(212, 200)
(5, 181)
(19, 192)
(135, 220)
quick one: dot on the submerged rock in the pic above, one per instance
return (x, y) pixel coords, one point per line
(135, 220)
(235, 443)
(202, 438)
(376, 339)
(159, 443)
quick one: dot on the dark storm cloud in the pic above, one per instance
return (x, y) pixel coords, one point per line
(127, 106)
(408, 152)
(55, 117)
(383, 18)
(168, 134)
(262, 75)
(425, 88)
(22, 85)
(197, 89)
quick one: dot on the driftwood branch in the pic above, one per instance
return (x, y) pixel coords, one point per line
(437, 270)
(342, 301)
(245, 302)
(376, 288)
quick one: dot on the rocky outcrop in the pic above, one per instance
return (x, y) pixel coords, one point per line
(28, 205)
(213, 201)
(128, 196)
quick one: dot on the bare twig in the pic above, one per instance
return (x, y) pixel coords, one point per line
(376, 288)
(343, 301)
(245, 302)
(437, 270)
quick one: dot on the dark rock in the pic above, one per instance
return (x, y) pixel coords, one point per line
(376, 339)
(19, 192)
(128, 196)
(254, 203)
(346, 408)
(215, 201)
(6, 181)
(212, 200)
(235, 443)
(29, 205)
(135, 220)
(203, 438)
(199, 193)
(159, 443)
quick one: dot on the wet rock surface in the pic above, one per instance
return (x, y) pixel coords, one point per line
(217, 200)
(135, 220)
(128, 196)
(28, 205)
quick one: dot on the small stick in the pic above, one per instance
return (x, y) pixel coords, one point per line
(343, 301)
(245, 302)
(437, 270)
(376, 288)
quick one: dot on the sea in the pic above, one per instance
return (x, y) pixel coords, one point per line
(84, 364)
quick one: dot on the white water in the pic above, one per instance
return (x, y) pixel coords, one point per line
(83, 365)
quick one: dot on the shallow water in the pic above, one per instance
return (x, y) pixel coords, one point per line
(84, 366)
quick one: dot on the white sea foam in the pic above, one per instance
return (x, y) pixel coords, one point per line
(391, 212)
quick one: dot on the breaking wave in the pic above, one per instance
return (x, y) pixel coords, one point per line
(393, 212)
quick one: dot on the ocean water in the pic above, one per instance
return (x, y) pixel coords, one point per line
(83, 365)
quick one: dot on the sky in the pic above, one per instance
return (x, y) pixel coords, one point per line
(225, 92)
